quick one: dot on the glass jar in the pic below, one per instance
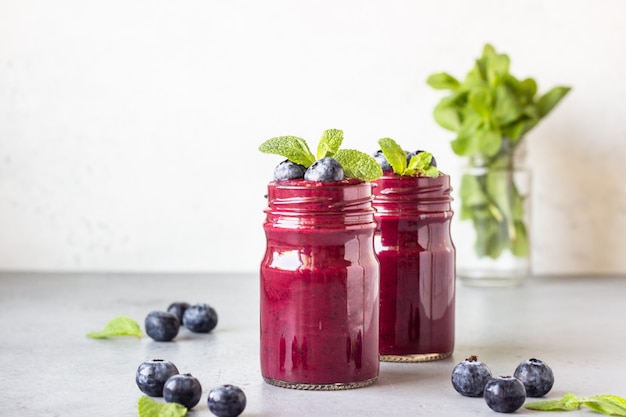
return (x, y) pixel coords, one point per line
(319, 286)
(417, 267)
(492, 229)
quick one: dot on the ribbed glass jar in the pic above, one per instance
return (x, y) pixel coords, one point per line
(417, 267)
(319, 286)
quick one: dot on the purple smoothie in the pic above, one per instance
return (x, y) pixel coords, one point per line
(417, 267)
(319, 286)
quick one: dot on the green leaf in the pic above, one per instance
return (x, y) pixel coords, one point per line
(357, 164)
(119, 326)
(291, 147)
(447, 115)
(481, 99)
(608, 404)
(550, 99)
(568, 402)
(394, 154)
(489, 141)
(420, 165)
(147, 407)
(443, 81)
(329, 143)
(507, 108)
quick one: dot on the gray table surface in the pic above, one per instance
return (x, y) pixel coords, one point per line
(48, 367)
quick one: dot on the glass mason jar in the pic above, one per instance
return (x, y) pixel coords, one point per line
(319, 286)
(492, 232)
(417, 267)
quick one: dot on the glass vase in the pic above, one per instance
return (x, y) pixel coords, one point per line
(492, 230)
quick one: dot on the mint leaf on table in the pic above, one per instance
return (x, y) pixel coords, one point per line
(357, 164)
(567, 403)
(147, 407)
(119, 326)
(291, 147)
(329, 143)
(611, 405)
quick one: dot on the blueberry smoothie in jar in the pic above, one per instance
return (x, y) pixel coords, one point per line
(417, 258)
(319, 277)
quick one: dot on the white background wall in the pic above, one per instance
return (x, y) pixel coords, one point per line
(129, 129)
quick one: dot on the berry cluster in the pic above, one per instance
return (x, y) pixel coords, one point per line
(163, 326)
(160, 378)
(325, 170)
(504, 394)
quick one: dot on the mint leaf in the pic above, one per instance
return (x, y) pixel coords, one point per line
(420, 165)
(329, 143)
(119, 326)
(291, 147)
(443, 81)
(568, 402)
(357, 164)
(396, 156)
(147, 407)
(394, 153)
(611, 405)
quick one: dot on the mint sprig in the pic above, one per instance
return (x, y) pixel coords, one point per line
(355, 164)
(119, 326)
(396, 156)
(147, 407)
(611, 405)
(291, 147)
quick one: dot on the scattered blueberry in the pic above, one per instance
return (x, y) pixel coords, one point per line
(151, 376)
(288, 170)
(326, 169)
(536, 376)
(200, 318)
(504, 394)
(227, 401)
(178, 309)
(379, 156)
(162, 326)
(183, 389)
(470, 376)
(409, 155)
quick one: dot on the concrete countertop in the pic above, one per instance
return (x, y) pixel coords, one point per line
(48, 367)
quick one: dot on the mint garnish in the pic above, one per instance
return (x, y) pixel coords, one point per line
(291, 147)
(355, 164)
(396, 156)
(119, 326)
(611, 405)
(329, 143)
(147, 407)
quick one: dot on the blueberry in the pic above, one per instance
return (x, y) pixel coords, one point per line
(536, 376)
(379, 156)
(178, 309)
(470, 376)
(162, 326)
(326, 169)
(151, 376)
(409, 155)
(288, 170)
(505, 394)
(227, 401)
(183, 389)
(200, 318)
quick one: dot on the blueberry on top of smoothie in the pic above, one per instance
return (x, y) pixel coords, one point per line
(326, 170)
(288, 170)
